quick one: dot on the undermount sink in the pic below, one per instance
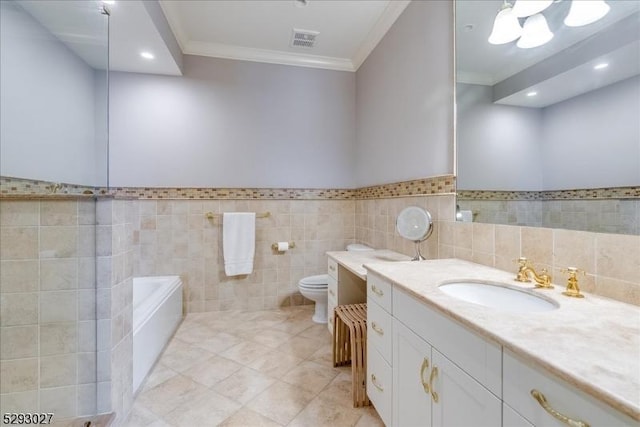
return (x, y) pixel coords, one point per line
(498, 296)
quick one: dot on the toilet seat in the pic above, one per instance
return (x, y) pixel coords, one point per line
(315, 282)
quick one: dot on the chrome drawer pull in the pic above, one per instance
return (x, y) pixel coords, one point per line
(374, 381)
(332, 268)
(376, 291)
(555, 414)
(424, 367)
(377, 328)
(331, 292)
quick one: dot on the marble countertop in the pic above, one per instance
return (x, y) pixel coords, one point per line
(592, 343)
(353, 261)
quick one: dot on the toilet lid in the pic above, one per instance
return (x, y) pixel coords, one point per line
(319, 281)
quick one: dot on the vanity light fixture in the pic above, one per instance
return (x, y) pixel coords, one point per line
(301, 3)
(600, 66)
(584, 12)
(535, 32)
(506, 27)
(109, 2)
(147, 55)
(524, 8)
(532, 93)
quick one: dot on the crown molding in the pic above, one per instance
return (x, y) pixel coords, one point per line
(218, 50)
(391, 13)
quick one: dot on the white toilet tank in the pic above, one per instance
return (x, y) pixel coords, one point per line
(357, 247)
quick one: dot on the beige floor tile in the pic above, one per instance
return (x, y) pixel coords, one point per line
(295, 325)
(212, 370)
(325, 413)
(140, 417)
(310, 376)
(317, 331)
(194, 334)
(270, 338)
(243, 385)
(218, 342)
(245, 352)
(158, 375)
(281, 402)
(301, 347)
(323, 355)
(370, 418)
(248, 418)
(170, 395)
(205, 409)
(339, 390)
(275, 363)
(182, 358)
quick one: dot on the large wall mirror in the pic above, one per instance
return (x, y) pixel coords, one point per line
(53, 80)
(548, 128)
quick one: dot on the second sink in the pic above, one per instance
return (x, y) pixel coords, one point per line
(498, 296)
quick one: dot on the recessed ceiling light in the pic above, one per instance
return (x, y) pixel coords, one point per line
(147, 55)
(532, 93)
(301, 3)
(600, 66)
(109, 2)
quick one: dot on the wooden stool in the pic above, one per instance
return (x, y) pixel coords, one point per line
(350, 347)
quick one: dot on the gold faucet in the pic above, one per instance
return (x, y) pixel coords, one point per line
(573, 290)
(543, 280)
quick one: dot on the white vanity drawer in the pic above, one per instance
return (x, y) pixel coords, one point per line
(379, 290)
(332, 288)
(379, 384)
(331, 305)
(333, 268)
(379, 330)
(477, 357)
(520, 379)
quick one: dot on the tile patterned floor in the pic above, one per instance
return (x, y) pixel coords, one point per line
(268, 368)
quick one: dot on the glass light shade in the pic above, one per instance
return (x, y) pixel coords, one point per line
(535, 32)
(584, 12)
(506, 27)
(524, 8)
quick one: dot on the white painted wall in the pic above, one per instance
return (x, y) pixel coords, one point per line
(589, 141)
(405, 99)
(228, 123)
(593, 140)
(47, 105)
(498, 145)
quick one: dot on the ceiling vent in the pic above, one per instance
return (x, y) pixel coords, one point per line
(303, 38)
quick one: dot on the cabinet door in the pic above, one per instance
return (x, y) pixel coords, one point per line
(462, 401)
(411, 368)
(511, 418)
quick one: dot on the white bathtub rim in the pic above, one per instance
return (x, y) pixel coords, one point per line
(147, 310)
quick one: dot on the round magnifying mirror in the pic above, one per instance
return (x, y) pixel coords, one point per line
(415, 224)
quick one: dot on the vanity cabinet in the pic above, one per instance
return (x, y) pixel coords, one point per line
(520, 379)
(343, 287)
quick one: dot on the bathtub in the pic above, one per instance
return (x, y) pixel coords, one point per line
(157, 312)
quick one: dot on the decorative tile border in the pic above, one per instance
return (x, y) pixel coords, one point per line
(584, 194)
(16, 187)
(12, 187)
(434, 185)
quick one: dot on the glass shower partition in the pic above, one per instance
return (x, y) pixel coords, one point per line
(53, 163)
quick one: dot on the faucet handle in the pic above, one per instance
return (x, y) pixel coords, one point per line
(573, 289)
(523, 263)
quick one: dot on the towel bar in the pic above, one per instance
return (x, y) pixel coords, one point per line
(211, 215)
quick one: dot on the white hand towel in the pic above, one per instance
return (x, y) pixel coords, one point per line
(238, 242)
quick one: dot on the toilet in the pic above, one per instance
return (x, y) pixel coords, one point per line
(315, 287)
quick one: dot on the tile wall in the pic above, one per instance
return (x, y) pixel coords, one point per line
(611, 261)
(47, 313)
(114, 265)
(175, 237)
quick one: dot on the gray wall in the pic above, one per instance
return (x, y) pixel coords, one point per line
(593, 140)
(498, 145)
(404, 99)
(589, 141)
(47, 105)
(228, 123)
